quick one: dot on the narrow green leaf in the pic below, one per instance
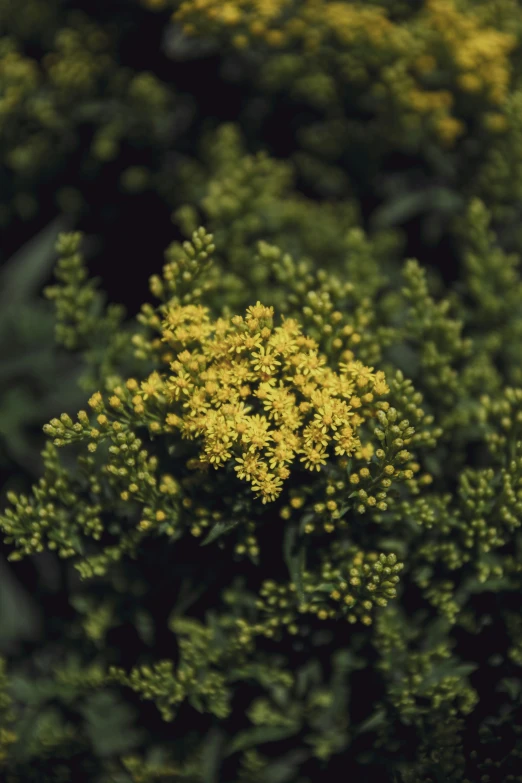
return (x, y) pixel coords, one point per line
(260, 734)
(294, 555)
(373, 722)
(307, 676)
(326, 587)
(28, 268)
(402, 208)
(285, 769)
(195, 701)
(219, 529)
(210, 762)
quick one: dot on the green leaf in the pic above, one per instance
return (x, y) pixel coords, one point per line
(295, 558)
(307, 676)
(285, 769)
(444, 669)
(220, 529)
(307, 517)
(260, 734)
(187, 595)
(511, 686)
(110, 724)
(394, 545)
(145, 626)
(29, 692)
(373, 722)
(196, 702)
(402, 208)
(28, 268)
(345, 508)
(326, 587)
(210, 762)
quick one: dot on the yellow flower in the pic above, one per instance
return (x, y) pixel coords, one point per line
(347, 442)
(197, 402)
(449, 129)
(380, 386)
(240, 373)
(257, 435)
(426, 63)
(248, 342)
(308, 388)
(469, 82)
(311, 362)
(495, 122)
(225, 393)
(264, 361)
(269, 487)
(293, 420)
(249, 466)
(315, 435)
(179, 385)
(96, 402)
(259, 311)
(296, 401)
(365, 452)
(153, 386)
(313, 458)
(282, 342)
(280, 454)
(326, 418)
(218, 452)
(278, 401)
(173, 420)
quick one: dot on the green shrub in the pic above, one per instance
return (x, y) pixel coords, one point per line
(431, 87)
(277, 519)
(69, 108)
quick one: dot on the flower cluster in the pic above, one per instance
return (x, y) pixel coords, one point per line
(350, 591)
(424, 66)
(261, 395)
(438, 80)
(190, 410)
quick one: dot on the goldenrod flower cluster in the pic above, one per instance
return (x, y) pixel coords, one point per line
(260, 395)
(213, 405)
(421, 66)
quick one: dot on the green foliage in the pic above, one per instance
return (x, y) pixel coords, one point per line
(29, 362)
(438, 81)
(370, 528)
(73, 89)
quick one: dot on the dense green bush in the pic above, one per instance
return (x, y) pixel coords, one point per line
(70, 108)
(276, 533)
(430, 86)
(355, 523)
